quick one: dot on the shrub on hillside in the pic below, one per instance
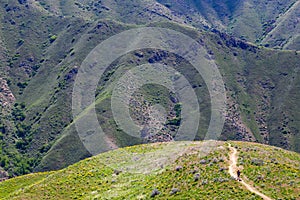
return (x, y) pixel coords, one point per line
(257, 162)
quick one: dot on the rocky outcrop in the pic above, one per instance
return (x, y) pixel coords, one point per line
(152, 120)
(233, 120)
(264, 90)
(157, 9)
(231, 41)
(6, 96)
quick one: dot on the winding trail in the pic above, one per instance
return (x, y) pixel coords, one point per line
(233, 168)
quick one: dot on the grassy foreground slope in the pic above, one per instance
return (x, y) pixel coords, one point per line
(179, 170)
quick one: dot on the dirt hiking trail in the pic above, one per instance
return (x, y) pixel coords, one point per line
(233, 169)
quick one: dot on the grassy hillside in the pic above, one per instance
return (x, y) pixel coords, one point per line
(251, 75)
(177, 170)
(44, 42)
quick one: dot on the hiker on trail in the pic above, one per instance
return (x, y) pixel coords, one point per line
(238, 175)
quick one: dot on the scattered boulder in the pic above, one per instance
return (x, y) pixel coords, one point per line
(196, 177)
(203, 162)
(274, 161)
(222, 169)
(178, 168)
(117, 172)
(204, 182)
(194, 171)
(174, 191)
(154, 193)
(259, 178)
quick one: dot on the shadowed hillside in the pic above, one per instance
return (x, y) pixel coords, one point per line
(270, 23)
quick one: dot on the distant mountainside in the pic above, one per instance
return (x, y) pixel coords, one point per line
(42, 44)
(177, 170)
(270, 23)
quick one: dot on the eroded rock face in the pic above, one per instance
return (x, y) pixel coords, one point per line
(152, 120)
(234, 121)
(6, 96)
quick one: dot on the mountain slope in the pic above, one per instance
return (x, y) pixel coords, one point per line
(286, 31)
(271, 23)
(251, 82)
(168, 170)
(45, 42)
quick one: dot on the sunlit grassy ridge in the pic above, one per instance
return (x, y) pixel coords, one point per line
(274, 170)
(179, 170)
(21, 182)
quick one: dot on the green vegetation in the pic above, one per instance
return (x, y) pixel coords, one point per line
(12, 157)
(52, 38)
(43, 43)
(177, 170)
(19, 183)
(274, 170)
